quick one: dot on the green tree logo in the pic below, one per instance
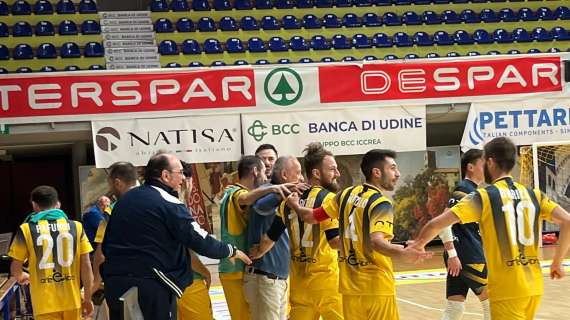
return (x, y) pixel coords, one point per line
(282, 93)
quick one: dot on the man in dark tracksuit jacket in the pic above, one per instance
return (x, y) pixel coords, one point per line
(146, 243)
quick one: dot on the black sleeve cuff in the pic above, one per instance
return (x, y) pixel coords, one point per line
(276, 230)
(331, 234)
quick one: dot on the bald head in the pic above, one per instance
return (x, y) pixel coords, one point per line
(166, 168)
(103, 202)
(287, 169)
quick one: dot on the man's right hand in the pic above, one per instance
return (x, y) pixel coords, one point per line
(87, 308)
(23, 279)
(454, 266)
(282, 189)
(241, 256)
(293, 200)
(415, 255)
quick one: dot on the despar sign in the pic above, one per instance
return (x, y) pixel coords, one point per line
(349, 131)
(523, 122)
(192, 139)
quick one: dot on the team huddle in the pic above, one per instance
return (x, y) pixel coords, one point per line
(292, 247)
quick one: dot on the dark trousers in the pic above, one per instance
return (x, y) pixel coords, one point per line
(156, 301)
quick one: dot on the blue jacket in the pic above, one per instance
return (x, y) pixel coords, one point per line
(91, 220)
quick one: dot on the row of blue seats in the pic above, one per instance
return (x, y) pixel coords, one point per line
(46, 28)
(53, 69)
(310, 21)
(22, 7)
(379, 40)
(48, 51)
(204, 5)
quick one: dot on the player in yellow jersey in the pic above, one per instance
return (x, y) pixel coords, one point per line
(195, 303)
(57, 251)
(314, 266)
(366, 219)
(509, 216)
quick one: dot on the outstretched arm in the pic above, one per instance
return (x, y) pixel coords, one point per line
(432, 228)
(562, 218)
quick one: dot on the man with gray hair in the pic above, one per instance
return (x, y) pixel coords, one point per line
(94, 216)
(265, 281)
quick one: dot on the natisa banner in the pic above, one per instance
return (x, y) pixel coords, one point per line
(344, 132)
(102, 95)
(192, 139)
(524, 122)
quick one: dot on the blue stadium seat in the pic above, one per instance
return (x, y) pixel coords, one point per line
(340, 41)
(473, 53)
(324, 3)
(442, 38)
(432, 55)
(502, 36)
(391, 57)
(43, 7)
(221, 5)
(391, 19)
(173, 65)
(277, 44)
(422, 39)
(284, 4)
(527, 14)
(541, 34)
(24, 70)
(22, 29)
(411, 18)
(158, 6)
(488, 15)
(243, 4)
(553, 50)
(469, 16)
(168, 47)
(327, 59)
(200, 5)
(369, 58)
(291, 22)
(284, 61)
(191, 46)
(298, 43)
(402, 2)
(4, 30)
(4, 52)
(23, 51)
(48, 69)
(212, 46)
(362, 3)
(21, 7)
(493, 53)
(180, 5)
(545, 14)
(381, 40)
(269, 23)
(4, 10)
(411, 56)
(241, 63)
(481, 36)
(234, 45)
(343, 3)
(331, 21)
(163, 25)
(319, 43)
(46, 51)
(562, 13)
(195, 64)
(418, 2)
(72, 68)
(185, 25)
(45, 28)
(514, 51)
(228, 24)
(305, 4)
(450, 17)
(349, 59)
(70, 50)
(521, 35)
(305, 60)
(94, 49)
(262, 61)
(361, 41)
(533, 50)
(255, 44)
(453, 54)
(431, 17)
(462, 37)
(443, 1)
(263, 4)
(67, 28)
(248, 23)
(508, 15)
(206, 24)
(311, 21)
(401, 39)
(89, 27)
(65, 7)
(351, 20)
(560, 33)
(96, 67)
(371, 20)
(87, 6)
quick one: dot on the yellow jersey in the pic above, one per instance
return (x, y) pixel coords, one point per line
(362, 210)
(509, 216)
(53, 249)
(314, 263)
(233, 217)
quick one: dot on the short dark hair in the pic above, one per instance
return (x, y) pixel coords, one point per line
(503, 151)
(44, 196)
(375, 159)
(266, 146)
(186, 169)
(124, 171)
(314, 155)
(155, 165)
(246, 165)
(470, 157)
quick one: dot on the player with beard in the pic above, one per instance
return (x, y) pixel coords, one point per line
(365, 215)
(314, 266)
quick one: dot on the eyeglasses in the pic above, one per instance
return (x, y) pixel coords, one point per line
(179, 172)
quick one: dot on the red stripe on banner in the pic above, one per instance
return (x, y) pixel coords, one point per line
(196, 202)
(422, 80)
(64, 95)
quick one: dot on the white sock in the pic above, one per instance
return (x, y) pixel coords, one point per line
(453, 310)
(486, 309)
